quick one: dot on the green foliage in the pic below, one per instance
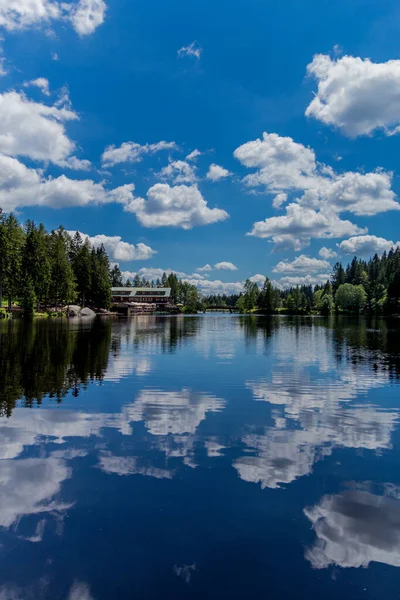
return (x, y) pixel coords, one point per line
(29, 297)
(323, 300)
(100, 278)
(116, 276)
(351, 298)
(63, 283)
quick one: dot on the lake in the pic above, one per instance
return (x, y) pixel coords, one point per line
(214, 457)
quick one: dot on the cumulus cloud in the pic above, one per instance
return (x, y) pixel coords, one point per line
(131, 152)
(180, 206)
(327, 253)
(279, 200)
(87, 15)
(355, 95)
(295, 229)
(193, 50)
(206, 267)
(302, 264)
(152, 273)
(179, 171)
(258, 279)
(225, 266)
(285, 166)
(295, 280)
(216, 172)
(84, 15)
(117, 249)
(367, 245)
(194, 155)
(216, 286)
(35, 130)
(21, 186)
(42, 83)
(354, 529)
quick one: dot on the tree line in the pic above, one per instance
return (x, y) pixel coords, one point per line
(370, 286)
(42, 269)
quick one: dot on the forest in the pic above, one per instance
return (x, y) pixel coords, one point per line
(371, 287)
(42, 271)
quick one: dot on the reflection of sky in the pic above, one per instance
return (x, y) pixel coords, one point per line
(314, 412)
(230, 405)
(354, 529)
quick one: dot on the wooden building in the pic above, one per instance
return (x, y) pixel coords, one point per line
(130, 300)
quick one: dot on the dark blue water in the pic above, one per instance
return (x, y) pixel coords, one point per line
(200, 457)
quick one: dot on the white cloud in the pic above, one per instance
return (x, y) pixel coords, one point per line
(131, 152)
(85, 15)
(194, 155)
(180, 172)
(80, 591)
(206, 267)
(117, 249)
(322, 194)
(179, 206)
(279, 200)
(295, 229)
(194, 50)
(354, 529)
(152, 273)
(42, 83)
(302, 264)
(283, 163)
(258, 279)
(215, 173)
(367, 245)
(225, 266)
(34, 130)
(293, 281)
(21, 186)
(355, 95)
(327, 253)
(208, 287)
(54, 56)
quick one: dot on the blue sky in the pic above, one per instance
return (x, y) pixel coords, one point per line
(102, 104)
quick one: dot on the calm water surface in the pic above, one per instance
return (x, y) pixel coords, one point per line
(200, 457)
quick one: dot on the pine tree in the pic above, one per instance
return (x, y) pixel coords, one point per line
(29, 297)
(36, 261)
(12, 241)
(101, 282)
(82, 266)
(116, 276)
(62, 285)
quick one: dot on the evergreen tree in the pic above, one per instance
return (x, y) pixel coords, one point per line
(36, 262)
(28, 297)
(137, 281)
(100, 280)
(128, 283)
(12, 241)
(62, 282)
(116, 276)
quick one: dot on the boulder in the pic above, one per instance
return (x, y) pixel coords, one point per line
(74, 310)
(87, 312)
